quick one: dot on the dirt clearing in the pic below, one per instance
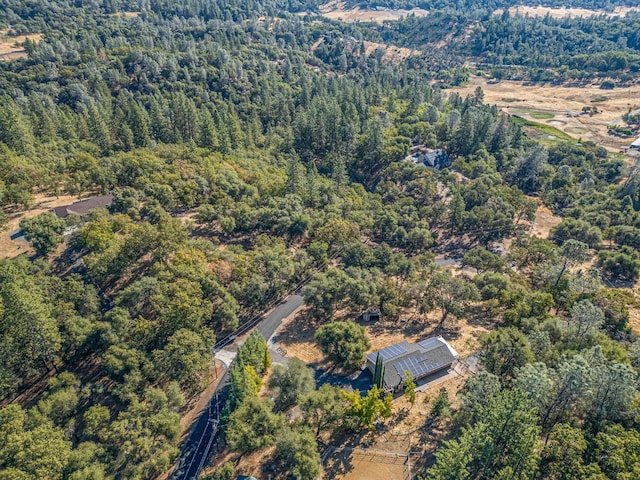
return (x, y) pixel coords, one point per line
(391, 53)
(12, 247)
(338, 11)
(544, 221)
(357, 464)
(296, 336)
(563, 104)
(10, 46)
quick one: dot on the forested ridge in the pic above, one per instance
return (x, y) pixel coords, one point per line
(246, 149)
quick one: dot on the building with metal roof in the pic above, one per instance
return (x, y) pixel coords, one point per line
(437, 159)
(419, 360)
(83, 207)
(635, 144)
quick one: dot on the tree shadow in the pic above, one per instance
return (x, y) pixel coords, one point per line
(338, 463)
(481, 316)
(301, 329)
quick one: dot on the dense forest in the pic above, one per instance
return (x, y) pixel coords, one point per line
(536, 48)
(249, 149)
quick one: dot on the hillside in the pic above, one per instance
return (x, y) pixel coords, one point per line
(238, 201)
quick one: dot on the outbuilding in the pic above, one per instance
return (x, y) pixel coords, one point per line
(83, 207)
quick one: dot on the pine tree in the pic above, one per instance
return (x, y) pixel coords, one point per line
(266, 361)
(378, 376)
(98, 130)
(207, 134)
(139, 125)
(15, 130)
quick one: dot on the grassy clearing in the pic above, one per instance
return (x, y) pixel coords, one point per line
(577, 130)
(537, 114)
(540, 115)
(520, 111)
(551, 133)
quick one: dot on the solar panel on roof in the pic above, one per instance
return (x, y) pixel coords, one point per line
(411, 365)
(430, 343)
(392, 352)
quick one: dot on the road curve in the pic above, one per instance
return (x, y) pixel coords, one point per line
(196, 448)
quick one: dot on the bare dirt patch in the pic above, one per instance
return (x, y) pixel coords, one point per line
(296, 337)
(566, 102)
(336, 10)
(540, 11)
(391, 53)
(356, 464)
(11, 46)
(545, 220)
(126, 14)
(634, 309)
(9, 247)
(634, 320)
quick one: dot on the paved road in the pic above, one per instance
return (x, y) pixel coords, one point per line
(447, 262)
(271, 322)
(196, 448)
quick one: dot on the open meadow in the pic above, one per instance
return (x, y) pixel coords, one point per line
(560, 106)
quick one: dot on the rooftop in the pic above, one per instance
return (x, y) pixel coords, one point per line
(83, 207)
(419, 360)
(429, 158)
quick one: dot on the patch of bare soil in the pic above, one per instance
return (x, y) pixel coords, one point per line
(337, 10)
(544, 221)
(11, 46)
(126, 14)
(253, 464)
(391, 53)
(9, 247)
(540, 11)
(296, 337)
(357, 464)
(564, 101)
(634, 319)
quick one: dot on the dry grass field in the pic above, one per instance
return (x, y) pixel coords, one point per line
(295, 337)
(391, 53)
(336, 10)
(10, 46)
(540, 11)
(544, 221)
(43, 203)
(357, 464)
(551, 104)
